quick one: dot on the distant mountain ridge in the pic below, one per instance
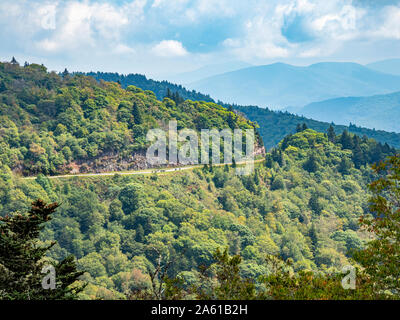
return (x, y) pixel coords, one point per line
(207, 71)
(274, 125)
(158, 87)
(391, 66)
(281, 85)
(378, 111)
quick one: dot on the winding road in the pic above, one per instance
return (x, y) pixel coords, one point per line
(148, 171)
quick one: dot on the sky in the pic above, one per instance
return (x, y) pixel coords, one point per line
(164, 37)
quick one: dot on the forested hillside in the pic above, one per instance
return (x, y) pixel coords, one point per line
(303, 203)
(55, 124)
(274, 125)
(160, 88)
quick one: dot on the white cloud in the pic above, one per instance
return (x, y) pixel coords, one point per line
(338, 25)
(231, 43)
(89, 25)
(262, 37)
(137, 31)
(169, 48)
(208, 8)
(69, 27)
(310, 53)
(123, 49)
(328, 25)
(390, 27)
(187, 12)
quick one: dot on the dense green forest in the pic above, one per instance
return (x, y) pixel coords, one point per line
(274, 125)
(303, 203)
(53, 124)
(158, 87)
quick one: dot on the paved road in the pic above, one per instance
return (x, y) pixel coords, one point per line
(149, 171)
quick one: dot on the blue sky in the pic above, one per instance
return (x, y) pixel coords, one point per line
(162, 37)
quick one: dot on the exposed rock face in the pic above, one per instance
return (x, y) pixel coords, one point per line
(259, 150)
(110, 162)
(114, 162)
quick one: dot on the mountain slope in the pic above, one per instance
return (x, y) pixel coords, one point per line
(379, 111)
(303, 204)
(280, 85)
(52, 124)
(275, 125)
(207, 71)
(158, 87)
(391, 66)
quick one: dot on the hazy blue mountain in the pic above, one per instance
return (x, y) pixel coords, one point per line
(378, 111)
(207, 71)
(391, 66)
(280, 85)
(274, 125)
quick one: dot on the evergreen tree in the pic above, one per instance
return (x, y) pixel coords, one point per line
(65, 73)
(177, 98)
(311, 164)
(277, 156)
(386, 149)
(131, 197)
(269, 162)
(13, 61)
(139, 234)
(231, 120)
(137, 114)
(358, 156)
(22, 259)
(168, 95)
(344, 166)
(315, 204)
(298, 128)
(304, 127)
(257, 177)
(285, 142)
(331, 134)
(376, 153)
(346, 141)
(2, 86)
